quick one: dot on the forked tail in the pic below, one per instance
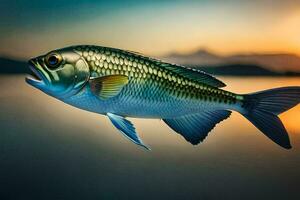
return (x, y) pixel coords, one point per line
(262, 108)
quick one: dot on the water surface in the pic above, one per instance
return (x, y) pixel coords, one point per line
(50, 150)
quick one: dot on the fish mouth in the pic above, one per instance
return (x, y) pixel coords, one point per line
(35, 78)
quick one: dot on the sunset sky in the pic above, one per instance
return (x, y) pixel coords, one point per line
(29, 28)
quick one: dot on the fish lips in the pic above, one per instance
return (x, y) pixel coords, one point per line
(36, 78)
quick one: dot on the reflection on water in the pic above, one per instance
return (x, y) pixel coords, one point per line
(50, 150)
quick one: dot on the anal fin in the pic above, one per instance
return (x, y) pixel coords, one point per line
(194, 128)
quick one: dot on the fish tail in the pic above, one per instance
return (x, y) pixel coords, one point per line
(262, 110)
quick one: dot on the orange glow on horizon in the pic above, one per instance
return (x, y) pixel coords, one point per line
(279, 37)
(222, 28)
(291, 119)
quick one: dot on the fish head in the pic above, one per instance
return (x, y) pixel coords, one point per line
(59, 73)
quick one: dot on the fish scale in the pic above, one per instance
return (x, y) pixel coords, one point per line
(146, 71)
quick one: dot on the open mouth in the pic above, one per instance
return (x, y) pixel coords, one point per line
(35, 77)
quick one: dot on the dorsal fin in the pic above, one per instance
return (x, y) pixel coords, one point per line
(194, 74)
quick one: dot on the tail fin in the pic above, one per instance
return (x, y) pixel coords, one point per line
(262, 108)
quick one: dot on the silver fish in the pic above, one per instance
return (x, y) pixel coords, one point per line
(120, 84)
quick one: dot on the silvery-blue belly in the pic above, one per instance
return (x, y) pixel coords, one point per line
(132, 105)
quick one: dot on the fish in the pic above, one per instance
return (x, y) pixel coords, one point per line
(124, 84)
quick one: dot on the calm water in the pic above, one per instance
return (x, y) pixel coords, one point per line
(49, 150)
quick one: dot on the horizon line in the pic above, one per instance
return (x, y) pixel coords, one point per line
(185, 53)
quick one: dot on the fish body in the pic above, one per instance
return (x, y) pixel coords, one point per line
(121, 84)
(154, 89)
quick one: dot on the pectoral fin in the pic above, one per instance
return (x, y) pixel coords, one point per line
(108, 86)
(127, 128)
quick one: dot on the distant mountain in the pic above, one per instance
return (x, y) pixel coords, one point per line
(9, 66)
(202, 57)
(277, 62)
(273, 62)
(243, 70)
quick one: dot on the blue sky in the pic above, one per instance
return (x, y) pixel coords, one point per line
(33, 27)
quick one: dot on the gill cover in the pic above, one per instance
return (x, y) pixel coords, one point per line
(81, 71)
(62, 73)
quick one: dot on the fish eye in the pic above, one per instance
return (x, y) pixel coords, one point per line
(53, 60)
